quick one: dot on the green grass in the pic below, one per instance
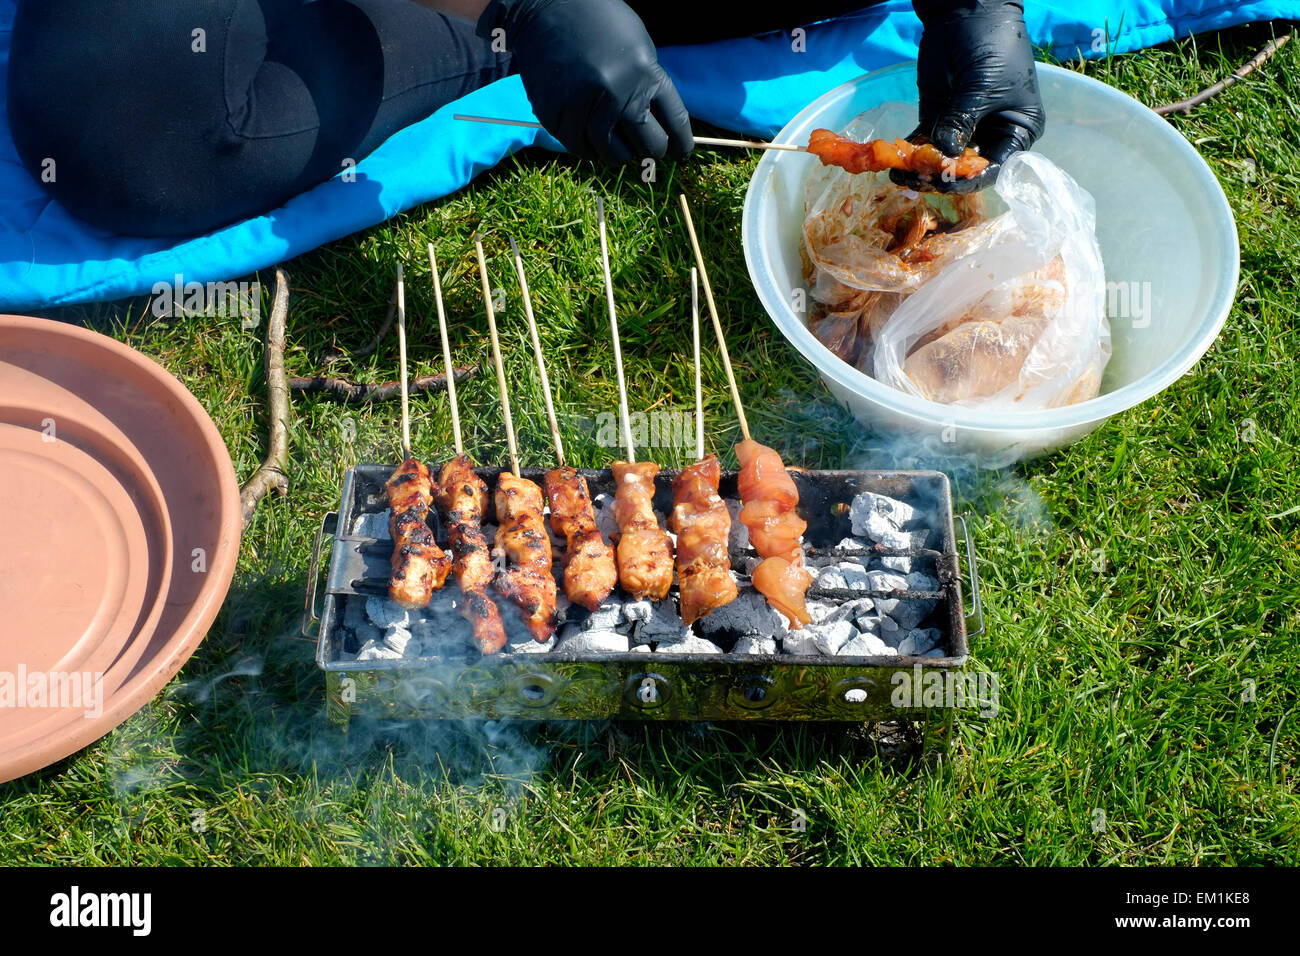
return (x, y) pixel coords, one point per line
(1136, 584)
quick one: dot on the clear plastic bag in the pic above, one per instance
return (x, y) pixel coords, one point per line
(1017, 324)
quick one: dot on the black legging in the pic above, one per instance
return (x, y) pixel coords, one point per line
(175, 117)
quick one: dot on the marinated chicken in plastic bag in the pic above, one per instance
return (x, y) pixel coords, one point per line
(868, 242)
(933, 296)
(1020, 324)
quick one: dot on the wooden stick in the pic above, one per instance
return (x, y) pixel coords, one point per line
(401, 348)
(699, 385)
(348, 391)
(537, 351)
(1255, 62)
(613, 326)
(273, 472)
(713, 313)
(446, 353)
(496, 357)
(702, 140)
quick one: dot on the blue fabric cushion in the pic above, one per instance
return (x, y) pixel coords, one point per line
(754, 85)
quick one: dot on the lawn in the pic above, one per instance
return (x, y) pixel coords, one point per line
(1140, 586)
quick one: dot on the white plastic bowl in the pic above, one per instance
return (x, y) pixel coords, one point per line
(1164, 225)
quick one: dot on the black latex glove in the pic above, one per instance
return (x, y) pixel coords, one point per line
(975, 74)
(593, 77)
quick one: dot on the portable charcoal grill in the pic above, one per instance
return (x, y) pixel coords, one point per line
(555, 685)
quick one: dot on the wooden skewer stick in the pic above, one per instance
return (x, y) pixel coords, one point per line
(446, 353)
(401, 348)
(496, 358)
(713, 314)
(699, 385)
(702, 140)
(613, 325)
(537, 351)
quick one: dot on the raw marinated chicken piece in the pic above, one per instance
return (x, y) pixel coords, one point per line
(463, 496)
(770, 496)
(645, 552)
(784, 585)
(703, 526)
(922, 158)
(590, 573)
(521, 537)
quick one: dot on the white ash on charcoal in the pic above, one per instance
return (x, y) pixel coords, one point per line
(688, 644)
(593, 642)
(866, 645)
(848, 611)
(920, 641)
(384, 613)
(654, 621)
(844, 576)
(530, 646)
(833, 635)
(890, 562)
(801, 643)
(886, 521)
(908, 613)
(373, 525)
(747, 614)
(400, 640)
(377, 651)
(641, 649)
(754, 644)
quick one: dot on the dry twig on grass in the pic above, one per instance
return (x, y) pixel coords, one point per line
(1255, 62)
(272, 475)
(346, 391)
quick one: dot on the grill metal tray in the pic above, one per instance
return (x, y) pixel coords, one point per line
(658, 686)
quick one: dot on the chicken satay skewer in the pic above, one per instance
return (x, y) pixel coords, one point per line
(589, 569)
(418, 567)
(521, 530)
(700, 518)
(463, 496)
(645, 553)
(768, 492)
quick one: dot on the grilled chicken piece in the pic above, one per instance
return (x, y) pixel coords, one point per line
(419, 566)
(645, 552)
(463, 496)
(770, 496)
(703, 525)
(922, 158)
(589, 570)
(521, 537)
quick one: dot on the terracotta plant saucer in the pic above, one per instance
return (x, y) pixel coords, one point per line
(119, 534)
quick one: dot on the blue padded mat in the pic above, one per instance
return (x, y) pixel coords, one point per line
(753, 85)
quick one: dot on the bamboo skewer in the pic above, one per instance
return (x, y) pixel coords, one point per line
(537, 351)
(702, 140)
(699, 385)
(496, 357)
(401, 348)
(446, 353)
(613, 325)
(713, 314)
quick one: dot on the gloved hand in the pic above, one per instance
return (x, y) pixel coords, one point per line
(975, 74)
(593, 77)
